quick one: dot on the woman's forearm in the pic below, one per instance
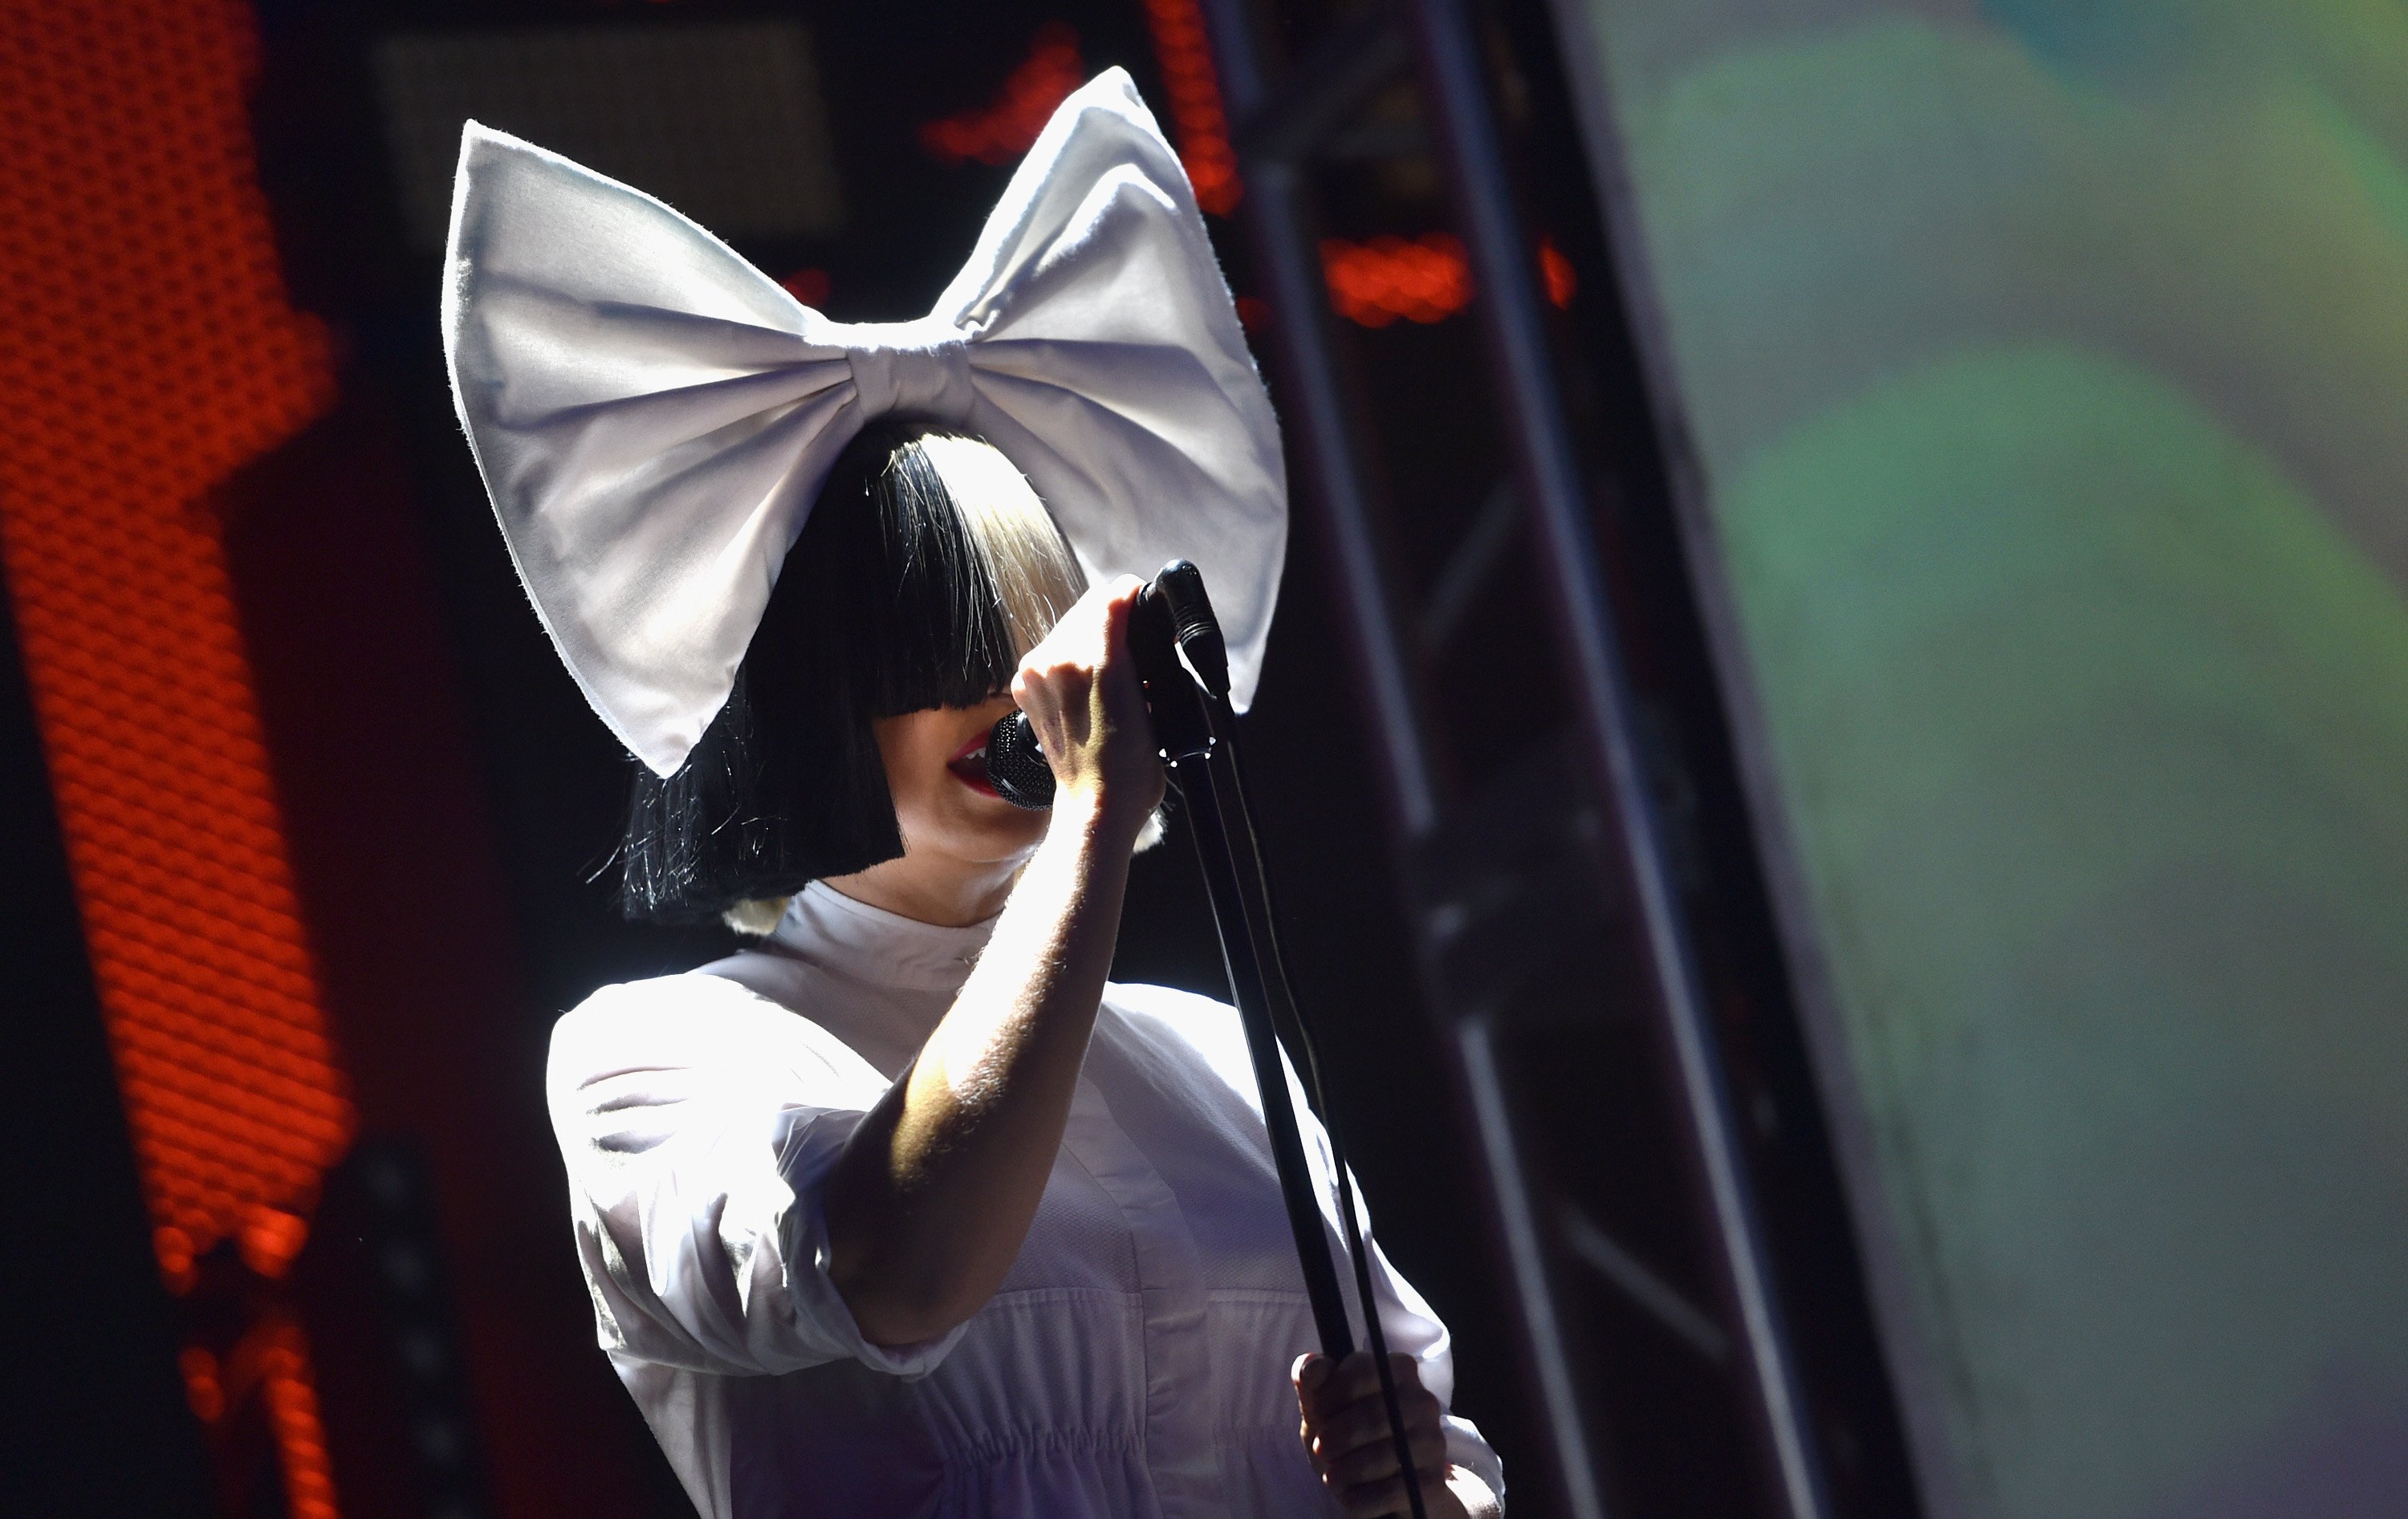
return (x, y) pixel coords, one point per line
(929, 1205)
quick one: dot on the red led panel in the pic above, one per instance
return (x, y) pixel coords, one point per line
(1375, 283)
(271, 1363)
(1003, 129)
(147, 351)
(1007, 126)
(1424, 278)
(1184, 51)
(1556, 271)
(290, 1395)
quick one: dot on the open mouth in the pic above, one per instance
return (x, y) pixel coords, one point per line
(968, 766)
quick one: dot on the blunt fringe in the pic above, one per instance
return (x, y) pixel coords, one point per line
(925, 569)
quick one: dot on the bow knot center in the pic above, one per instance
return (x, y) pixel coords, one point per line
(915, 374)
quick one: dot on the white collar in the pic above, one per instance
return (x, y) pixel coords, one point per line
(867, 943)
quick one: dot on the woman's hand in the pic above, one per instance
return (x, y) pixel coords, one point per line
(1346, 1432)
(1079, 689)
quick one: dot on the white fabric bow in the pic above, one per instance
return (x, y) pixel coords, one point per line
(654, 416)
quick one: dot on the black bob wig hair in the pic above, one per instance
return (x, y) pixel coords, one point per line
(925, 569)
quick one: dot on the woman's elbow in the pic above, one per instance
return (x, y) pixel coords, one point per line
(890, 1310)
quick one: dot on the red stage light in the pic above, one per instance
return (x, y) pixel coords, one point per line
(1183, 52)
(1375, 283)
(1005, 127)
(1427, 279)
(809, 286)
(291, 1394)
(1562, 284)
(147, 351)
(202, 1387)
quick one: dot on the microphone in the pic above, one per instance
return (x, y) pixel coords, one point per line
(1173, 611)
(1016, 766)
(1194, 628)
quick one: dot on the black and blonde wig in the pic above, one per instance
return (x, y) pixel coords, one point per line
(925, 569)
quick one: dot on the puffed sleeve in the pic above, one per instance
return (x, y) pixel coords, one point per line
(699, 1122)
(1413, 1327)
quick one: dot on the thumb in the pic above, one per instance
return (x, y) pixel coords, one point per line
(1311, 1370)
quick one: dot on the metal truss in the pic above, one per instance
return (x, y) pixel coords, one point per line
(1571, 837)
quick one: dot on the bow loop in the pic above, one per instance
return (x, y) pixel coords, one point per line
(654, 417)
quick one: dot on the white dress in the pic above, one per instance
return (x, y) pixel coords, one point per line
(1134, 1361)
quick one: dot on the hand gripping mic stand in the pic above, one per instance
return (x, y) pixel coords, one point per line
(1195, 734)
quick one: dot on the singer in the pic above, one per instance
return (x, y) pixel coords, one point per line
(909, 1210)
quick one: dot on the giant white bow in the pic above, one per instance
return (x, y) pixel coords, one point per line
(654, 416)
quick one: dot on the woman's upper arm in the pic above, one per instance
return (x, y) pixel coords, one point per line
(697, 1121)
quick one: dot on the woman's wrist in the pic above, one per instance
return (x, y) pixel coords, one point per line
(1106, 814)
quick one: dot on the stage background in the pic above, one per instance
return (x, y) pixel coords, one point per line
(2041, 370)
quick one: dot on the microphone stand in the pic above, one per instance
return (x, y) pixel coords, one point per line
(1196, 733)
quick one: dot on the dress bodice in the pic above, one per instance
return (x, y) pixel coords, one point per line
(1134, 1361)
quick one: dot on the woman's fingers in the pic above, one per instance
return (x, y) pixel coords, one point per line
(1371, 1500)
(1364, 1424)
(1079, 689)
(1348, 1381)
(1344, 1381)
(1346, 1429)
(1376, 1461)
(1056, 678)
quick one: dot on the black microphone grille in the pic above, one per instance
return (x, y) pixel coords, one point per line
(1016, 766)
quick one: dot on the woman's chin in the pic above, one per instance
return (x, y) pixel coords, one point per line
(988, 830)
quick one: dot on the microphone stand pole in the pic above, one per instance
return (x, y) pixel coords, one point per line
(1197, 735)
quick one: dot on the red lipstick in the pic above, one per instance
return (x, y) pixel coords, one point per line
(968, 766)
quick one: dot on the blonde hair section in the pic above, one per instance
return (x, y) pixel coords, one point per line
(1024, 553)
(1032, 565)
(1028, 559)
(757, 918)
